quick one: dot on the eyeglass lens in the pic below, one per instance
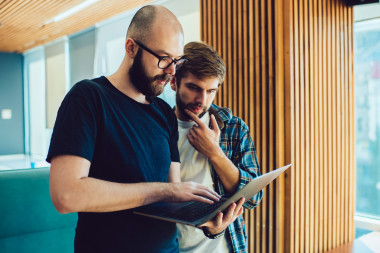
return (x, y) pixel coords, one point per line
(165, 62)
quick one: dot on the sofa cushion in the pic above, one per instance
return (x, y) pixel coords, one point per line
(52, 241)
(25, 204)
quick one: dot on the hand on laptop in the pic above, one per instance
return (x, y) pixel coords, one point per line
(223, 219)
(190, 191)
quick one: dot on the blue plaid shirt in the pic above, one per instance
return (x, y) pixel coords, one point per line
(237, 144)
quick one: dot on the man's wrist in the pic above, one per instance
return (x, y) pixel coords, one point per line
(211, 236)
(217, 156)
(164, 192)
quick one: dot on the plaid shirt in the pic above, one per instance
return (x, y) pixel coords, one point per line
(237, 144)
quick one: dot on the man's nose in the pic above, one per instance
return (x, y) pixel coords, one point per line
(201, 98)
(170, 70)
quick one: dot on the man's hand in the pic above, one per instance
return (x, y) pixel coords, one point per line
(202, 138)
(222, 220)
(190, 191)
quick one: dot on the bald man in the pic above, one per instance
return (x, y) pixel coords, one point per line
(114, 145)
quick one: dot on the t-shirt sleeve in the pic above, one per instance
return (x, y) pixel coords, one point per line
(75, 128)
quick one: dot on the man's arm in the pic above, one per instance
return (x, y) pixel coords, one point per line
(206, 141)
(233, 175)
(174, 172)
(72, 190)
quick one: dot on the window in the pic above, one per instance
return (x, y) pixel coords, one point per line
(367, 118)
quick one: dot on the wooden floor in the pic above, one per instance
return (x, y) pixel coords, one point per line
(353, 247)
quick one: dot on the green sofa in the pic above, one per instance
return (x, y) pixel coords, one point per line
(29, 222)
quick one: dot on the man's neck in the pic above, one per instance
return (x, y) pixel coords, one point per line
(123, 83)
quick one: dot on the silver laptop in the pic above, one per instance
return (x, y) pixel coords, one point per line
(197, 213)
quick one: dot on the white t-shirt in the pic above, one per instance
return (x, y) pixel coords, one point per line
(196, 167)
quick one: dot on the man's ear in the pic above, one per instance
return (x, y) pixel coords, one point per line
(173, 83)
(130, 48)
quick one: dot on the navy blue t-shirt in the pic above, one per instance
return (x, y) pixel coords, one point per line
(126, 142)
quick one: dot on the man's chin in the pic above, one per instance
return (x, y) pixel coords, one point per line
(158, 90)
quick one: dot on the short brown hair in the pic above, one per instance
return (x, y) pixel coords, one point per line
(202, 61)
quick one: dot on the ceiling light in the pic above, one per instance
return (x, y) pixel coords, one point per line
(71, 11)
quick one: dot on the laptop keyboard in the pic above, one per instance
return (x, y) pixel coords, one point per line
(195, 210)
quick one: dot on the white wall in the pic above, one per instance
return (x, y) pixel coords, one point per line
(188, 14)
(56, 78)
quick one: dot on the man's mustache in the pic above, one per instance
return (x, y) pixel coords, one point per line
(164, 77)
(196, 105)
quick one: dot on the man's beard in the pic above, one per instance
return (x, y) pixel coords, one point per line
(181, 106)
(142, 82)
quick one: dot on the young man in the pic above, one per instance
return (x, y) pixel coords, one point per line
(114, 145)
(215, 147)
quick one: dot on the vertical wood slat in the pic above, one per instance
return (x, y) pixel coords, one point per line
(344, 157)
(299, 79)
(246, 54)
(307, 117)
(315, 133)
(213, 16)
(209, 22)
(219, 39)
(296, 129)
(280, 134)
(288, 71)
(233, 48)
(229, 61)
(257, 109)
(329, 128)
(251, 115)
(324, 119)
(239, 95)
(302, 126)
(226, 47)
(320, 128)
(312, 192)
(271, 119)
(263, 121)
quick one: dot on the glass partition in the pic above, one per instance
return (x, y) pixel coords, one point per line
(367, 118)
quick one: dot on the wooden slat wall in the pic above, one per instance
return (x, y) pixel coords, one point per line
(290, 77)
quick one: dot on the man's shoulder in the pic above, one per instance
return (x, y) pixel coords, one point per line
(87, 85)
(225, 115)
(160, 102)
(88, 90)
(164, 107)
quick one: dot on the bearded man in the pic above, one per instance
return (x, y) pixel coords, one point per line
(114, 145)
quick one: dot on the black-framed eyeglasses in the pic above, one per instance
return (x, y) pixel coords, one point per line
(164, 62)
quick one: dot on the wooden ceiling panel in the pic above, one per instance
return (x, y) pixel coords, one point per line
(23, 23)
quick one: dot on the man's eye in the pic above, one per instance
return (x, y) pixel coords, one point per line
(166, 59)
